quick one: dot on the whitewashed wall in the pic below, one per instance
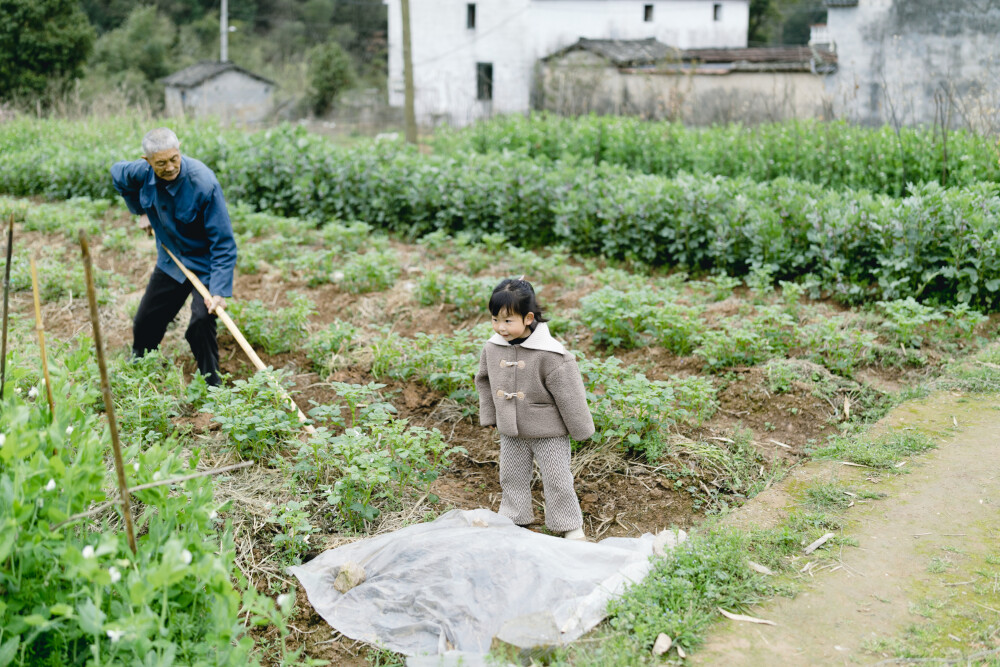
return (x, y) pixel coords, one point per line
(514, 34)
(909, 61)
(580, 82)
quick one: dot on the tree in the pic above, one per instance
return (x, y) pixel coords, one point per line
(138, 53)
(42, 43)
(330, 72)
(762, 13)
(797, 23)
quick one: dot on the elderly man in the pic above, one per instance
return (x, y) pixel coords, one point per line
(180, 199)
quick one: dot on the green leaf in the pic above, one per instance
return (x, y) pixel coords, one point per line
(91, 618)
(8, 650)
(35, 620)
(61, 609)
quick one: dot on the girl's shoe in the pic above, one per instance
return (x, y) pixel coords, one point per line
(575, 534)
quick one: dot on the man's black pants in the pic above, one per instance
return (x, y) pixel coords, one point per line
(163, 299)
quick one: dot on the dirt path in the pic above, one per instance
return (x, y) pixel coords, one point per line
(926, 554)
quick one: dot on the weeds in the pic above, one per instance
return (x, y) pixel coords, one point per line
(467, 296)
(682, 594)
(149, 393)
(907, 320)
(882, 452)
(274, 330)
(255, 414)
(733, 345)
(369, 272)
(328, 349)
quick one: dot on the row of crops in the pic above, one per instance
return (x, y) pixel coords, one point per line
(546, 197)
(932, 243)
(832, 154)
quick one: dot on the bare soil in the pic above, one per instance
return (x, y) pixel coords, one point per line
(620, 496)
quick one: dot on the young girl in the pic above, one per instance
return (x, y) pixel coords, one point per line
(530, 389)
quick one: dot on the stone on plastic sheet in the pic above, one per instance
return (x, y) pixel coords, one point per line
(530, 630)
(666, 540)
(351, 574)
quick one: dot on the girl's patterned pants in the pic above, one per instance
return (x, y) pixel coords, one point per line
(562, 509)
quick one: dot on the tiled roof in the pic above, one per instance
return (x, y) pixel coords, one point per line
(623, 52)
(764, 54)
(205, 70)
(646, 53)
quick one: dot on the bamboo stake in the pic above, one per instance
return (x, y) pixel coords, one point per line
(6, 291)
(109, 405)
(234, 330)
(40, 328)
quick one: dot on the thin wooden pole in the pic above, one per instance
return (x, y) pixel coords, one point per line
(235, 331)
(109, 404)
(409, 114)
(6, 291)
(40, 328)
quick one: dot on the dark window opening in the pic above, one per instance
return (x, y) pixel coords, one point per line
(717, 12)
(647, 13)
(470, 16)
(484, 81)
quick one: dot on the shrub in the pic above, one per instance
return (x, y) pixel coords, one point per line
(469, 296)
(82, 595)
(636, 413)
(149, 392)
(274, 330)
(905, 318)
(935, 244)
(837, 154)
(256, 414)
(330, 73)
(327, 349)
(734, 345)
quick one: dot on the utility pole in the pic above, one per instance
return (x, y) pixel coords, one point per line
(408, 112)
(224, 32)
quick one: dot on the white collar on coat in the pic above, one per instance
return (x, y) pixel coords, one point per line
(540, 339)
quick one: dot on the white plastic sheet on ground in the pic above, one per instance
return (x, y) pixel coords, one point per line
(452, 585)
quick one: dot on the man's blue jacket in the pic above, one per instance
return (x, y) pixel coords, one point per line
(188, 215)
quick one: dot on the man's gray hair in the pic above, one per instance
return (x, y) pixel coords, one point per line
(158, 140)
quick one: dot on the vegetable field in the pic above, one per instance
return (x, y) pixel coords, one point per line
(732, 317)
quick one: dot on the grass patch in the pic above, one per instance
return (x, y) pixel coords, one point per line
(979, 374)
(832, 496)
(882, 452)
(681, 595)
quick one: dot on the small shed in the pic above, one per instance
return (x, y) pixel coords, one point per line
(221, 89)
(653, 80)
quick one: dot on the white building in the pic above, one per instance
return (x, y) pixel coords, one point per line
(475, 59)
(220, 89)
(918, 62)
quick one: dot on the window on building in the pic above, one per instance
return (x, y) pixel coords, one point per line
(484, 81)
(717, 11)
(647, 13)
(470, 16)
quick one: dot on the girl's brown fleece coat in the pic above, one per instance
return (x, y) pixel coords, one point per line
(532, 390)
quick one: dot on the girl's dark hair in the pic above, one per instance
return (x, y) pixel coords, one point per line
(516, 296)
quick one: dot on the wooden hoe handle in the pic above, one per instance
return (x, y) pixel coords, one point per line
(235, 331)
